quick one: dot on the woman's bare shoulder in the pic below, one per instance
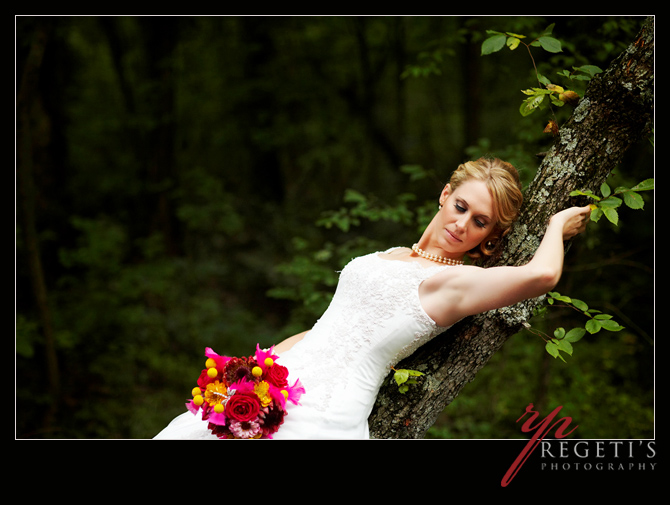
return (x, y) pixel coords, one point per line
(398, 252)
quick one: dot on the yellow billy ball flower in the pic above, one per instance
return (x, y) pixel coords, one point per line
(218, 408)
(257, 371)
(195, 392)
(198, 400)
(212, 372)
(210, 363)
(269, 362)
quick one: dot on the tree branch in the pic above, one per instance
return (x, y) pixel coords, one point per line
(615, 112)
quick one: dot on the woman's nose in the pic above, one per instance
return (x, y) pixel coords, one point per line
(461, 223)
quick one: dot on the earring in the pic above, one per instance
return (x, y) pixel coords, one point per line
(489, 245)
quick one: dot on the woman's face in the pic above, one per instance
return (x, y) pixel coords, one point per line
(467, 217)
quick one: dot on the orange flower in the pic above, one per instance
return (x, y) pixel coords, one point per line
(216, 393)
(262, 390)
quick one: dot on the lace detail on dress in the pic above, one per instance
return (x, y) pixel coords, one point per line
(375, 298)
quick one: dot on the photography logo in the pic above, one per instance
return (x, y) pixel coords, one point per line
(559, 455)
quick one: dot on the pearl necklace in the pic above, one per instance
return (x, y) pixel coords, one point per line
(435, 257)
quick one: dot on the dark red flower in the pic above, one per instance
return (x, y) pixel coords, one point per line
(242, 407)
(277, 375)
(271, 419)
(236, 369)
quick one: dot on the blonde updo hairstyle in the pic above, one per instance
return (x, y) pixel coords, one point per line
(502, 181)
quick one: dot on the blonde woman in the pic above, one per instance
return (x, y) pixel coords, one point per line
(387, 304)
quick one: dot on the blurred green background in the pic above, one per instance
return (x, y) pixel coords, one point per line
(199, 181)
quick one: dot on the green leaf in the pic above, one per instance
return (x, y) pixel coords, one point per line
(494, 43)
(550, 44)
(610, 325)
(593, 326)
(401, 376)
(587, 192)
(565, 346)
(560, 297)
(575, 335)
(552, 348)
(596, 214)
(513, 43)
(612, 202)
(589, 69)
(645, 185)
(612, 215)
(605, 190)
(549, 29)
(529, 105)
(580, 304)
(633, 200)
(559, 333)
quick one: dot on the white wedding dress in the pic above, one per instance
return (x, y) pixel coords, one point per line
(374, 320)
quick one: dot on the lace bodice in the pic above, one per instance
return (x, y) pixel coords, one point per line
(374, 320)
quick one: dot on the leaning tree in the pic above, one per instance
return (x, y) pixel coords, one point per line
(615, 112)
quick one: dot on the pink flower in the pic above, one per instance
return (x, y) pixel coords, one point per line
(262, 355)
(295, 392)
(220, 360)
(245, 429)
(218, 419)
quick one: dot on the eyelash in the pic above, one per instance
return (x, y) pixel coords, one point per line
(462, 209)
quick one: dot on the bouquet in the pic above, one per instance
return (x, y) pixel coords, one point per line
(244, 397)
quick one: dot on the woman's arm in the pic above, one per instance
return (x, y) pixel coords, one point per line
(468, 290)
(285, 345)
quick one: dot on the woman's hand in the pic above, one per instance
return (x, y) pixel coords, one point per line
(573, 220)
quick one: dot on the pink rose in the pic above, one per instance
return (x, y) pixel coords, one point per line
(242, 407)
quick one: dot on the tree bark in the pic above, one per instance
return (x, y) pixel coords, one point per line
(615, 112)
(26, 186)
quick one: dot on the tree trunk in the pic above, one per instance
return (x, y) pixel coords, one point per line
(615, 112)
(25, 176)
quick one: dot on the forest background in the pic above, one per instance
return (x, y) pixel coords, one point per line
(200, 181)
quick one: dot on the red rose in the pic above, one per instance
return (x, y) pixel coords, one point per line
(242, 407)
(278, 375)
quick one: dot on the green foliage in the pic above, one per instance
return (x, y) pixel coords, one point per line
(541, 97)
(402, 378)
(369, 208)
(609, 202)
(498, 40)
(563, 341)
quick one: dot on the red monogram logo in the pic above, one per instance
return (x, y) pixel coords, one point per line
(541, 429)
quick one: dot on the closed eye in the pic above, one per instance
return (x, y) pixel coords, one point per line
(462, 209)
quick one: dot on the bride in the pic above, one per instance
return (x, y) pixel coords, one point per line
(387, 304)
